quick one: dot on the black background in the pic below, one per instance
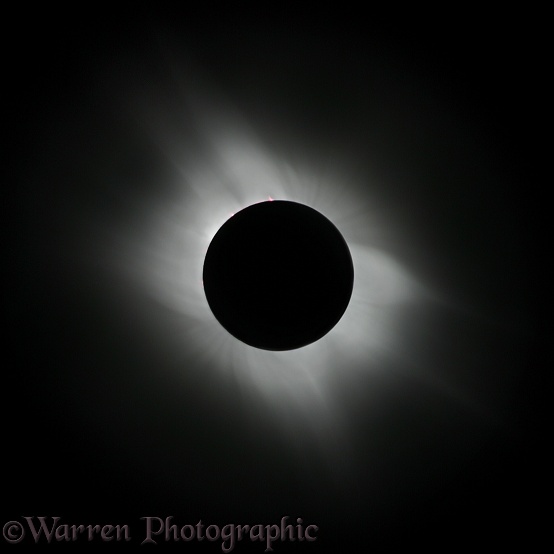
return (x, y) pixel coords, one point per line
(448, 483)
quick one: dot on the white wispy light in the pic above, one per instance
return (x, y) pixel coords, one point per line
(206, 159)
(230, 171)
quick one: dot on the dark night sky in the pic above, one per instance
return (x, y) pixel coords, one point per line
(89, 413)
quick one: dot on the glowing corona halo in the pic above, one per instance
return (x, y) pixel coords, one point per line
(230, 170)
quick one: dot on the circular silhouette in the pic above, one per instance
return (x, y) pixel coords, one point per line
(278, 275)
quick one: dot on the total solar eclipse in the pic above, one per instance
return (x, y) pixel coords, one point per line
(278, 275)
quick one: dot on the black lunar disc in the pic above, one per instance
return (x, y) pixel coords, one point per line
(278, 275)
